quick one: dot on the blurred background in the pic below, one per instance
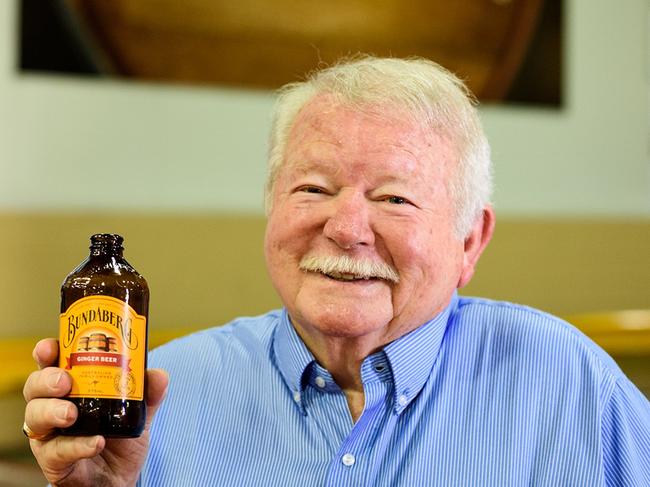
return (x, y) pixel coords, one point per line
(150, 118)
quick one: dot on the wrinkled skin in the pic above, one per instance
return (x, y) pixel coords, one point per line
(359, 184)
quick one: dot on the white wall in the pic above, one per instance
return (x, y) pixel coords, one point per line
(69, 143)
(592, 157)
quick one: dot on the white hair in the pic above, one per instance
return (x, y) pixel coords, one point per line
(435, 97)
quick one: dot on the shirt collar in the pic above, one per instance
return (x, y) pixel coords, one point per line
(292, 357)
(411, 357)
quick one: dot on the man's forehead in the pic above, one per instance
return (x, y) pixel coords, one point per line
(382, 166)
(328, 120)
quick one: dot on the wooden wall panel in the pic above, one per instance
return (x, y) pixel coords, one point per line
(207, 269)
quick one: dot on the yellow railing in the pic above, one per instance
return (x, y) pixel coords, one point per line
(620, 333)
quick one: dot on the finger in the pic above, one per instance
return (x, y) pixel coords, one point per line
(43, 416)
(46, 352)
(49, 382)
(60, 453)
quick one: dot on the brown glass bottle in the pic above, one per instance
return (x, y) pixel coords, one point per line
(103, 341)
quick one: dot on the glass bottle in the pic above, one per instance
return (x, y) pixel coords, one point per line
(103, 341)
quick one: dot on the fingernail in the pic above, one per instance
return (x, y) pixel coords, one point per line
(54, 380)
(91, 441)
(61, 412)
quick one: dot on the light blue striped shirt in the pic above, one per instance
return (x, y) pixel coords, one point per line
(486, 394)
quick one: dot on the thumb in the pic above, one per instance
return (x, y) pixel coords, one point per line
(157, 382)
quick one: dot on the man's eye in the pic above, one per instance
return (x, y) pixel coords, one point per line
(397, 200)
(311, 189)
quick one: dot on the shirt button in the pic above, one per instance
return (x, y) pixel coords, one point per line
(296, 396)
(348, 459)
(320, 382)
(402, 400)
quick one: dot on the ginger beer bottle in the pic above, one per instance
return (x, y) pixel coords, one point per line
(103, 341)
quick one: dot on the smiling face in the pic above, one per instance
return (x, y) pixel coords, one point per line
(359, 188)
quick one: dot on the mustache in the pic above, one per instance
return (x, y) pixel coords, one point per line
(343, 264)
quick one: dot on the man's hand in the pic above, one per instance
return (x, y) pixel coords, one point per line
(81, 460)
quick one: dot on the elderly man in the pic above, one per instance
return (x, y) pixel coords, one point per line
(375, 372)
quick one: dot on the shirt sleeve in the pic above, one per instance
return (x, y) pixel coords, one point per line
(626, 436)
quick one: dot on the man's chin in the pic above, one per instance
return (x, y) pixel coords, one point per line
(345, 322)
(340, 311)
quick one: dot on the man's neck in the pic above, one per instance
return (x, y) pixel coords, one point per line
(342, 357)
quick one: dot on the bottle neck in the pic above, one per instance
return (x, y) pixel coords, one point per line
(105, 250)
(108, 245)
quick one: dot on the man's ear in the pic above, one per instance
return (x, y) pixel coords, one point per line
(475, 243)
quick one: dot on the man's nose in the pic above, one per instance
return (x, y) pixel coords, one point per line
(349, 223)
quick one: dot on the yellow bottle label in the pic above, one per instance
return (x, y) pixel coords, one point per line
(102, 345)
